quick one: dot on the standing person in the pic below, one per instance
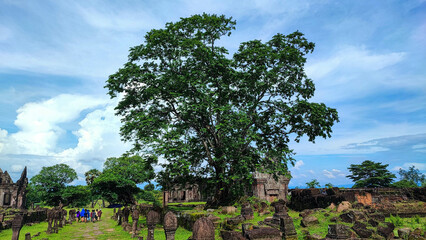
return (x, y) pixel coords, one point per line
(100, 214)
(92, 215)
(87, 215)
(96, 215)
(78, 215)
(83, 215)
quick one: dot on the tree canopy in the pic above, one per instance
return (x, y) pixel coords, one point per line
(51, 182)
(91, 175)
(370, 174)
(413, 175)
(313, 184)
(117, 183)
(186, 99)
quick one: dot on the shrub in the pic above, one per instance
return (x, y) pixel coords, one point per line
(396, 220)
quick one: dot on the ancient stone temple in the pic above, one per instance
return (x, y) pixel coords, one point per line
(190, 193)
(13, 194)
(267, 188)
(264, 187)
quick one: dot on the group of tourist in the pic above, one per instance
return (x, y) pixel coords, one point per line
(85, 215)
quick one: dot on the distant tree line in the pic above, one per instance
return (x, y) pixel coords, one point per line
(371, 174)
(117, 183)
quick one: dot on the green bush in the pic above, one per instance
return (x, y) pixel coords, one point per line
(396, 220)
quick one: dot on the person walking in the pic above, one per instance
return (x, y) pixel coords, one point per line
(78, 215)
(83, 215)
(100, 214)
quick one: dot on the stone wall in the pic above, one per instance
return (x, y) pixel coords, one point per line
(13, 195)
(321, 198)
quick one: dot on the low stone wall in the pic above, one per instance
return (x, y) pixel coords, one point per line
(31, 217)
(321, 198)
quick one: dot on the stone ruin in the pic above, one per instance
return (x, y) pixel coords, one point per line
(13, 194)
(321, 198)
(189, 193)
(264, 187)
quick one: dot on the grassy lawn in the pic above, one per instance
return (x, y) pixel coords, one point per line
(103, 230)
(108, 229)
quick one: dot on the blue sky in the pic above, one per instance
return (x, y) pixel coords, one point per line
(55, 56)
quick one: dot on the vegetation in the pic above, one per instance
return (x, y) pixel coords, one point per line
(370, 174)
(412, 175)
(117, 183)
(329, 185)
(404, 184)
(313, 184)
(50, 183)
(210, 115)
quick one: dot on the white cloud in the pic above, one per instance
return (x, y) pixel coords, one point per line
(354, 59)
(121, 17)
(298, 164)
(354, 72)
(38, 123)
(333, 173)
(98, 139)
(420, 166)
(419, 148)
(40, 129)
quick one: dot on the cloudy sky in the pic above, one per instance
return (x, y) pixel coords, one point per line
(55, 56)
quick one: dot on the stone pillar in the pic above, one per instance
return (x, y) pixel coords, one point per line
(203, 229)
(56, 217)
(59, 215)
(247, 211)
(119, 216)
(126, 213)
(1, 198)
(170, 225)
(287, 228)
(28, 236)
(17, 223)
(49, 221)
(259, 188)
(165, 198)
(152, 219)
(64, 217)
(338, 231)
(135, 219)
(280, 212)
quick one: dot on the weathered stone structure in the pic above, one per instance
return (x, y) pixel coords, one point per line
(152, 219)
(321, 198)
(189, 193)
(170, 225)
(265, 187)
(13, 194)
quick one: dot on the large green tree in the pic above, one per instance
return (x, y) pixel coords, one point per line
(212, 114)
(51, 182)
(117, 183)
(370, 174)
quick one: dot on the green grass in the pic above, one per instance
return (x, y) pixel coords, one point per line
(105, 229)
(108, 229)
(412, 223)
